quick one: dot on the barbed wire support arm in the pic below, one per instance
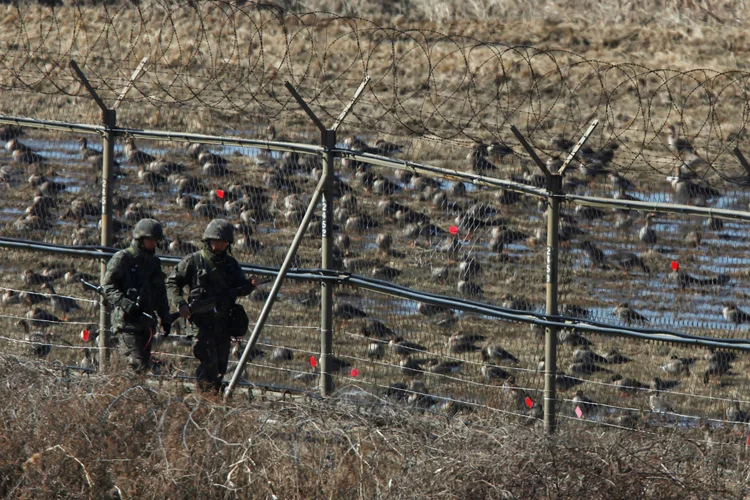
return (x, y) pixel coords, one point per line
(531, 151)
(578, 146)
(131, 81)
(741, 158)
(109, 120)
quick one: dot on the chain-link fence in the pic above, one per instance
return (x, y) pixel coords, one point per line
(419, 251)
(439, 219)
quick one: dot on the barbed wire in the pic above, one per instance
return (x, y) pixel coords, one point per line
(81, 299)
(231, 60)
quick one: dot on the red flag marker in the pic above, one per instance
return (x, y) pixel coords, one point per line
(579, 412)
(220, 193)
(85, 335)
(748, 440)
(453, 230)
(313, 362)
(675, 265)
(529, 402)
(354, 372)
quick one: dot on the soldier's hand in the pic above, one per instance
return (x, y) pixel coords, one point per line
(166, 327)
(131, 307)
(254, 281)
(184, 311)
(244, 290)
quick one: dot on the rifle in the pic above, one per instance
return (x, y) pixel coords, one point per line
(209, 304)
(100, 290)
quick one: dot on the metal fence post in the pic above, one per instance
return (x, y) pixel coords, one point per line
(109, 119)
(554, 193)
(326, 288)
(324, 191)
(554, 186)
(108, 154)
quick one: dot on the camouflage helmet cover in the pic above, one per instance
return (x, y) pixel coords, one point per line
(219, 229)
(148, 228)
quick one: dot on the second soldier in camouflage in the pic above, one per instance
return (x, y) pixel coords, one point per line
(212, 272)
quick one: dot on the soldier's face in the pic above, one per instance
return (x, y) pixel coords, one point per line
(149, 243)
(219, 246)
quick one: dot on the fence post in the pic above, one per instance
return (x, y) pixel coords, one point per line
(108, 155)
(554, 186)
(326, 287)
(323, 191)
(109, 120)
(554, 190)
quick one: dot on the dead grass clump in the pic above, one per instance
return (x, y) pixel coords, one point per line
(76, 437)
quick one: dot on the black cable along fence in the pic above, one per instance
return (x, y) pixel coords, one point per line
(653, 265)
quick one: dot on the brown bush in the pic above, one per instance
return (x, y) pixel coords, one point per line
(100, 437)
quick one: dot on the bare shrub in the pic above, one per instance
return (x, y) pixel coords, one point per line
(77, 437)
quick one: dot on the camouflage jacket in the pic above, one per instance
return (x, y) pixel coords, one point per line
(134, 276)
(206, 277)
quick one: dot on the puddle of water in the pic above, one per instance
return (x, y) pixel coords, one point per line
(231, 151)
(707, 318)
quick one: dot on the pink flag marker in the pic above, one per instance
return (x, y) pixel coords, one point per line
(313, 362)
(529, 402)
(675, 265)
(220, 193)
(453, 230)
(85, 335)
(354, 372)
(579, 412)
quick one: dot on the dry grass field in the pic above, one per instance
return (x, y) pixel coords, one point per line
(445, 74)
(72, 437)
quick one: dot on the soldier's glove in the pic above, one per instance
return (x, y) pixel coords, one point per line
(130, 307)
(166, 327)
(245, 290)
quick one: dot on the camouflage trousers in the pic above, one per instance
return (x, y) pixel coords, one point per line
(213, 353)
(135, 346)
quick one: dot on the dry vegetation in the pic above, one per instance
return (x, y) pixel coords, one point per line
(70, 437)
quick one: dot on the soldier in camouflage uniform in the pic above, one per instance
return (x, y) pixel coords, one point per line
(212, 272)
(134, 285)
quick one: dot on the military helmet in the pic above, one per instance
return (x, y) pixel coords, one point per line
(219, 229)
(148, 228)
